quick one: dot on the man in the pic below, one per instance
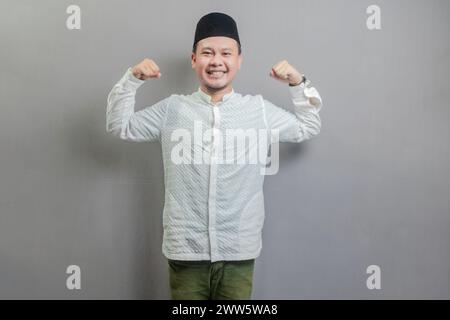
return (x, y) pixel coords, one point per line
(213, 211)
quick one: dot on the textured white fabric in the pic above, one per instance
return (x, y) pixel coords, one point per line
(212, 211)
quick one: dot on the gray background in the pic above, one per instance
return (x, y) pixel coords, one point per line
(372, 188)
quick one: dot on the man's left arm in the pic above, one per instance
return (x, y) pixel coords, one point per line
(305, 122)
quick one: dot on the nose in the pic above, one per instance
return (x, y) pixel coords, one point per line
(216, 60)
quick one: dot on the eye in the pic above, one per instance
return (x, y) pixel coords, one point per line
(227, 53)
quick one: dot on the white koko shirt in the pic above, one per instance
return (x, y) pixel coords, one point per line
(212, 210)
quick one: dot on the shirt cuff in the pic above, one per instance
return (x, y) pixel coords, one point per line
(129, 81)
(306, 96)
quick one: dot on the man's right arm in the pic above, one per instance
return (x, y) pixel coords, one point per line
(121, 120)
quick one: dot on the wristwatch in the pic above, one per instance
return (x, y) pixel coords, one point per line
(303, 81)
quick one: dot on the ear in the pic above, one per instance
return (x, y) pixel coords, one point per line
(193, 60)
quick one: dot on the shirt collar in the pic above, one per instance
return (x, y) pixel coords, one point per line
(207, 98)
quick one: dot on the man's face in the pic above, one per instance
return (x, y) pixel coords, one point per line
(216, 62)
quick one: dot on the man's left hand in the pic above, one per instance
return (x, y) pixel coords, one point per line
(286, 73)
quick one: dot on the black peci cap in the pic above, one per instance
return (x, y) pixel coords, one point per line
(216, 24)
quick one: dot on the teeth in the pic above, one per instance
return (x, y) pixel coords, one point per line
(216, 74)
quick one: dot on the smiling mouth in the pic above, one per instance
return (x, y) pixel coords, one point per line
(216, 74)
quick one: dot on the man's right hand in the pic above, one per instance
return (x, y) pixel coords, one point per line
(146, 69)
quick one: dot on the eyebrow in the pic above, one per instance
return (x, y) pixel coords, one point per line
(209, 48)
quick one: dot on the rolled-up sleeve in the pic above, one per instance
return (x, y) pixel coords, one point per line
(123, 122)
(304, 122)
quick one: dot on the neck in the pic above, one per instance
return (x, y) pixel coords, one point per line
(216, 94)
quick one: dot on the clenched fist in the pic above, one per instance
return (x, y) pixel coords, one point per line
(146, 69)
(286, 73)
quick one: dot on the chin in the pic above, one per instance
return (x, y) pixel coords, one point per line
(216, 86)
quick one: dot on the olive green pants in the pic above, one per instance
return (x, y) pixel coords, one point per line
(203, 280)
